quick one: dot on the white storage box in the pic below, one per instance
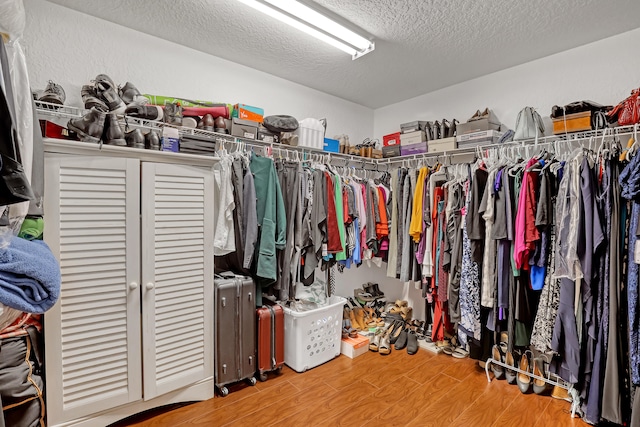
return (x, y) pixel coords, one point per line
(310, 133)
(354, 347)
(313, 337)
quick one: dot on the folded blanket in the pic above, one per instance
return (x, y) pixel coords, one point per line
(29, 276)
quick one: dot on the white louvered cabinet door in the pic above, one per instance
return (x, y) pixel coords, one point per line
(92, 336)
(177, 276)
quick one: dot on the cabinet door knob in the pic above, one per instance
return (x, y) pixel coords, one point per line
(133, 286)
(150, 286)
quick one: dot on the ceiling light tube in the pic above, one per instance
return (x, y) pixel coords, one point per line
(315, 24)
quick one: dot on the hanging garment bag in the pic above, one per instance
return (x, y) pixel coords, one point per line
(235, 329)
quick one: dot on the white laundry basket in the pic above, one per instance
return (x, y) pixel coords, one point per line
(311, 133)
(312, 337)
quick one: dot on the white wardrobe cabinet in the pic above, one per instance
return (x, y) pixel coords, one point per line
(134, 325)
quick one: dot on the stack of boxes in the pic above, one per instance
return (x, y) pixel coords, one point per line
(478, 132)
(413, 138)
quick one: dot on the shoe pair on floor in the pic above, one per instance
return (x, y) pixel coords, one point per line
(397, 333)
(538, 366)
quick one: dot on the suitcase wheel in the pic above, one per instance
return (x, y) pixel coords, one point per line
(223, 391)
(252, 380)
(279, 370)
(263, 376)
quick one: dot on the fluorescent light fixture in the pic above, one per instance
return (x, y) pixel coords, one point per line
(306, 19)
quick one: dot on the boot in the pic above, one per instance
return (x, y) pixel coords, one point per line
(146, 112)
(90, 100)
(135, 139)
(90, 126)
(152, 141)
(113, 134)
(53, 93)
(106, 91)
(219, 125)
(207, 123)
(131, 95)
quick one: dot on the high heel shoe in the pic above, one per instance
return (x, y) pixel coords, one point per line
(524, 380)
(374, 345)
(401, 341)
(496, 354)
(540, 386)
(395, 331)
(509, 373)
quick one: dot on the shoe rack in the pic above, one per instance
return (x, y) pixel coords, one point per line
(573, 393)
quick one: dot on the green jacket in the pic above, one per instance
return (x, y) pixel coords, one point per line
(272, 220)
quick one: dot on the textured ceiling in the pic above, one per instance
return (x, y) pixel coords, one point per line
(421, 45)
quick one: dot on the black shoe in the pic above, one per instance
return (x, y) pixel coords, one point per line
(152, 141)
(90, 99)
(53, 93)
(107, 92)
(113, 134)
(401, 342)
(376, 290)
(146, 112)
(412, 343)
(135, 139)
(89, 127)
(131, 95)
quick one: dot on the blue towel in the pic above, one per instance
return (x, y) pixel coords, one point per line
(29, 276)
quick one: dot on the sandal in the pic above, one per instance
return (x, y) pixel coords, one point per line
(460, 353)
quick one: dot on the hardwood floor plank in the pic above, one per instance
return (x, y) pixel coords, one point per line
(395, 390)
(282, 408)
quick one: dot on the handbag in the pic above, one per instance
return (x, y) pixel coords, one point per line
(280, 123)
(14, 184)
(528, 124)
(628, 111)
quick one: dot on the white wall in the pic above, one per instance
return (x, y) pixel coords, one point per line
(604, 71)
(71, 48)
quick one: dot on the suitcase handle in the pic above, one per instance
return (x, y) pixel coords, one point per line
(223, 300)
(251, 360)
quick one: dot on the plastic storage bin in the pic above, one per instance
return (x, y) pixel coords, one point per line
(311, 133)
(312, 337)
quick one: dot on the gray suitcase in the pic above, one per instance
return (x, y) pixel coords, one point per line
(235, 328)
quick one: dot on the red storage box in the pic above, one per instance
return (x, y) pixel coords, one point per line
(391, 139)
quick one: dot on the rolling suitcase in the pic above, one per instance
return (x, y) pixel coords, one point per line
(235, 328)
(270, 340)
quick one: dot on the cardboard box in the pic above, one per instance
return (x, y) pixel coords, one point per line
(407, 150)
(487, 137)
(331, 145)
(391, 139)
(170, 140)
(244, 128)
(391, 151)
(476, 126)
(444, 144)
(413, 137)
(265, 135)
(354, 347)
(247, 112)
(577, 122)
(413, 126)
(53, 130)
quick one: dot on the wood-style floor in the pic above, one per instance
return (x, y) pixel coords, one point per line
(374, 390)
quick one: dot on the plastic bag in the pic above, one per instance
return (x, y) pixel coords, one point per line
(12, 18)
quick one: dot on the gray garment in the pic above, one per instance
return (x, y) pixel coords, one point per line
(455, 236)
(489, 269)
(16, 387)
(289, 176)
(399, 200)
(318, 223)
(406, 263)
(392, 263)
(635, 410)
(36, 208)
(614, 368)
(249, 219)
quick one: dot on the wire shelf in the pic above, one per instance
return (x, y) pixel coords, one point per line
(300, 152)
